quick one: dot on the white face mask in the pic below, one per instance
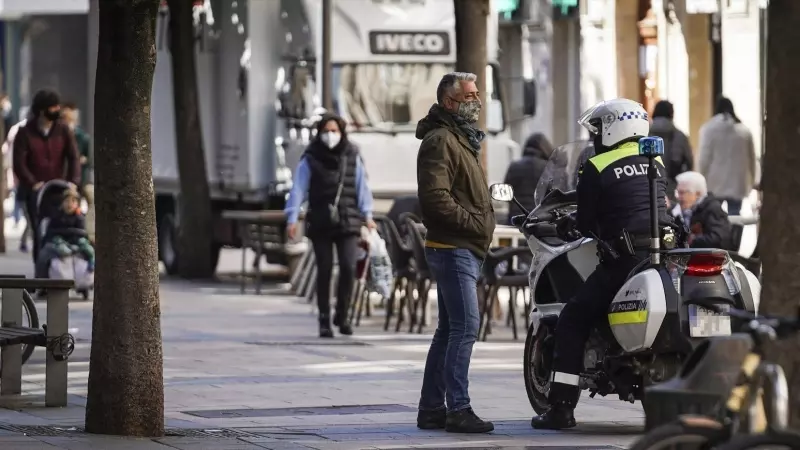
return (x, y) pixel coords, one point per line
(331, 138)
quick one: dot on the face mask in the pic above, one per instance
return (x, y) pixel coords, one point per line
(470, 110)
(52, 115)
(331, 139)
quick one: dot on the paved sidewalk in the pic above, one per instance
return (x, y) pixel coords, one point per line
(248, 372)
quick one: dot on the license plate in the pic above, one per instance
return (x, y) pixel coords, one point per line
(706, 323)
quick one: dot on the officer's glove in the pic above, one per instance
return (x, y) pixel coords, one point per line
(566, 228)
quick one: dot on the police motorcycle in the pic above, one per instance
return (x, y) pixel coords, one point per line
(653, 322)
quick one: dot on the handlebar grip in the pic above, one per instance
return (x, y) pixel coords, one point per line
(544, 230)
(546, 217)
(519, 220)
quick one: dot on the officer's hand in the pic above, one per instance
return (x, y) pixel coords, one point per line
(566, 227)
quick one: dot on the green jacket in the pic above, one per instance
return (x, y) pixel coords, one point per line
(452, 187)
(83, 141)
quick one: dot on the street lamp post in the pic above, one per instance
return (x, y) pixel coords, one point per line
(327, 95)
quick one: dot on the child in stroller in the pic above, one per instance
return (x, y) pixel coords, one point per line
(63, 235)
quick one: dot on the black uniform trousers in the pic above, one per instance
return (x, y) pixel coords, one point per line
(576, 321)
(346, 250)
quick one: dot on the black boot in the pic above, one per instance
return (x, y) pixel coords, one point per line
(432, 420)
(466, 421)
(558, 417)
(344, 325)
(325, 330)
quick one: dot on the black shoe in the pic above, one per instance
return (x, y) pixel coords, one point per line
(466, 421)
(432, 420)
(344, 327)
(558, 417)
(325, 330)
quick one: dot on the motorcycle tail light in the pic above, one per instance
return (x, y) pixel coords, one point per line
(703, 265)
(706, 264)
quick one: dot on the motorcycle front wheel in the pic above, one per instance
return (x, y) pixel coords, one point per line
(537, 367)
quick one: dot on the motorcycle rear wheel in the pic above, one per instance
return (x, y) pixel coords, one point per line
(536, 369)
(703, 434)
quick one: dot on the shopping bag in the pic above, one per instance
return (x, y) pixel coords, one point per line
(380, 278)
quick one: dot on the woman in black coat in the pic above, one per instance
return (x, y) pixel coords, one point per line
(331, 176)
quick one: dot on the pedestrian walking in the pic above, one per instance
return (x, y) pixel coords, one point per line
(727, 156)
(678, 156)
(523, 174)
(19, 198)
(71, 116)
(333, 177)
(44, 150)
(458, 214)
(6, 109)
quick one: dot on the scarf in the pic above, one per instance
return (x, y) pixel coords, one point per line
(474, 135)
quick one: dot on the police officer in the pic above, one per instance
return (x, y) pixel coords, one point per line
(614, 208)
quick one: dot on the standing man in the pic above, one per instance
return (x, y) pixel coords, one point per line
(70, 113)
(44, 150)
(459, 217)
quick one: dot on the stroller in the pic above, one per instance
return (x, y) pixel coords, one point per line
(75, 266)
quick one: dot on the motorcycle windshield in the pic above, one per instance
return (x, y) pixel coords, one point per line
(561, 170)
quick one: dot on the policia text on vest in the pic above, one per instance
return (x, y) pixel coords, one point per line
(631, 170)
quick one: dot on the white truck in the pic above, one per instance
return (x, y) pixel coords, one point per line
(258, 62)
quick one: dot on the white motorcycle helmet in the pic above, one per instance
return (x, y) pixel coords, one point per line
(614, 122)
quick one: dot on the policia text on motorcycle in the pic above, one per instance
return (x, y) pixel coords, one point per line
(613, 208)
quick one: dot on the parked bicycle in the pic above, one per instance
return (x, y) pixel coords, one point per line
(30, 319)
(756, 411)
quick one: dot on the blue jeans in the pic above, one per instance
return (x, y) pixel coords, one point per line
(734, 206)
(456, 274)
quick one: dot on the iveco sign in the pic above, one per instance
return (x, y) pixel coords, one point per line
(409, 43)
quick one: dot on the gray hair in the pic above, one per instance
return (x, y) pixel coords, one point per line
(452, 82)
(695, 181)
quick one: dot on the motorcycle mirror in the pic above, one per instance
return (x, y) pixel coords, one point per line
(502, 192)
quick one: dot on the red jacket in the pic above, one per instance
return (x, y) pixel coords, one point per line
(40, 158)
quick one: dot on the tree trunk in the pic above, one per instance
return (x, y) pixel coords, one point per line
(4, 191)
(779, 245)
(471, 18)
(196, 258)
(126, 387)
